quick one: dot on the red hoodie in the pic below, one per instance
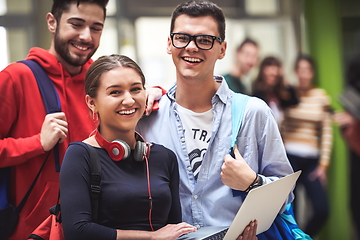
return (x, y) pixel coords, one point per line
(22, 113)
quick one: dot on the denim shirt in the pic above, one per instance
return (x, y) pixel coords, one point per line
(207, 201)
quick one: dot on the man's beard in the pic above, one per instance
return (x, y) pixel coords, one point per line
(61, 48)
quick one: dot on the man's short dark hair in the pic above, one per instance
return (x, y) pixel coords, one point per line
(61, 6)
(200, 9)
(246, 41)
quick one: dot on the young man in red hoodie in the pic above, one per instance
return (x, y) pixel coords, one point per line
(27, 133)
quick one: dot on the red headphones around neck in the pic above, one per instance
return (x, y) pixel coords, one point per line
(119, 149)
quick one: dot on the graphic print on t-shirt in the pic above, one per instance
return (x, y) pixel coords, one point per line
(196, 157)
(197, 131)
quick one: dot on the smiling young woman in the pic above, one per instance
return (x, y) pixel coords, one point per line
(139, 181)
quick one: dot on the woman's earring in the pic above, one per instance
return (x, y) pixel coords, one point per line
(95, 117)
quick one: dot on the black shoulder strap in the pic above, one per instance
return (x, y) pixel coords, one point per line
(95, 170)
(95, 180)
(46, 86)
(49, 95)
(52, 104)
(23, 201)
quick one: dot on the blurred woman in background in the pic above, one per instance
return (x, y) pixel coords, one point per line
(307, 135)
(271, 87)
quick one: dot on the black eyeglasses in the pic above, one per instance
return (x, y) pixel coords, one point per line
(202, 41)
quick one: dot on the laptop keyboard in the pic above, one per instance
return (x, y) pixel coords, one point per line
(217, 236)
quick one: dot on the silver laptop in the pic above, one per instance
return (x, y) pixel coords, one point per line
(261, 204)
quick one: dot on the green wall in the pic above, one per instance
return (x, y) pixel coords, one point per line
(324, 38)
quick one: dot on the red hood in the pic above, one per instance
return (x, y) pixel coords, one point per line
(53, 67)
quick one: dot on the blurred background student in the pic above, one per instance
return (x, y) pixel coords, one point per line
(350, 129)
(271, 87)
(246, 58)
(307, 135)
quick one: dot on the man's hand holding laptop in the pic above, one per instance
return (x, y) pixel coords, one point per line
(249, 232)
(237, 174)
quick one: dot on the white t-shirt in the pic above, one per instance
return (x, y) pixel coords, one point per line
(198, 129)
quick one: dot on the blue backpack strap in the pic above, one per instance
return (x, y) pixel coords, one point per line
(49, 95)
(4, 186)
(238, 105)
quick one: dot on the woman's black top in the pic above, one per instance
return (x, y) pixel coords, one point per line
(124, 200)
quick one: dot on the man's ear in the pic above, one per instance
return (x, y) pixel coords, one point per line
(168, 47)
(222, 50)
(51, 22)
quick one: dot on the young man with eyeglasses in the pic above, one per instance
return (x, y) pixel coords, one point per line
(194, 120)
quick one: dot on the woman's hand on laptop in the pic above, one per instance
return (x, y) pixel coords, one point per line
(249, 232)
(173, 231)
